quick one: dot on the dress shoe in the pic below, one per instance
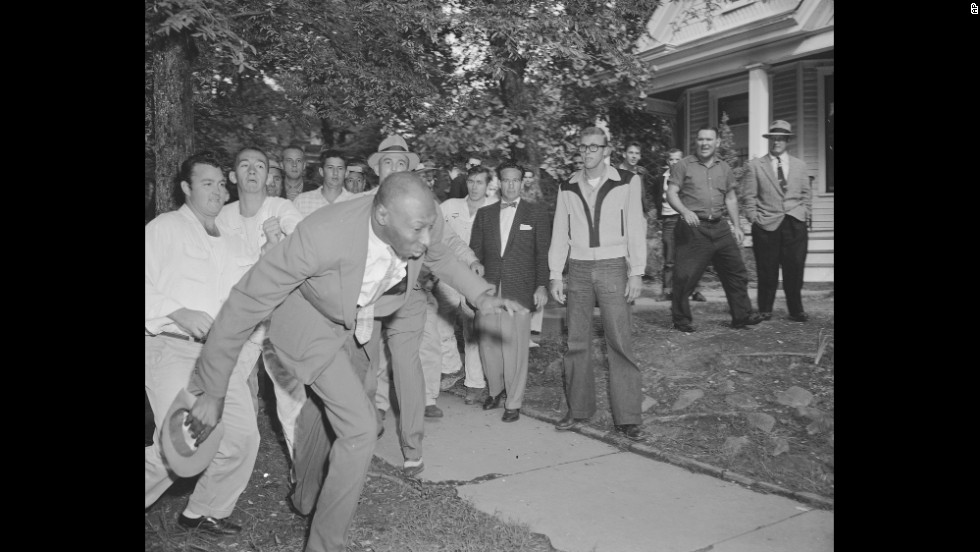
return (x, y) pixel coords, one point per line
(631, 431)
(449, 380)
(413, 467)
(568, 422)
(686, 328)
(766, 316)
(472, 395)
(698, 297)
(801, 317)
(209, 524)
(433, 411)
(511, 415)
(752, 320)
(494, 402)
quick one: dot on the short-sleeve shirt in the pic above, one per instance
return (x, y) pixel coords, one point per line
(703, 186)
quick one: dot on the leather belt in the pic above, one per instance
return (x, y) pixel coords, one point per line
(710, 221)
(182, 336)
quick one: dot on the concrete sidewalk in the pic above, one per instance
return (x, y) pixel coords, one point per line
(588, 496)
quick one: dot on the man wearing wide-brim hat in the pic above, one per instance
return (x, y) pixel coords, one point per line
(778, 202)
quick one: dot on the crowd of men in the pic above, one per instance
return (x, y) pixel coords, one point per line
(348, 295)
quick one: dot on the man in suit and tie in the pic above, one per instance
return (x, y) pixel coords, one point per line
(778, 201)
(511, 239)
(323, 294)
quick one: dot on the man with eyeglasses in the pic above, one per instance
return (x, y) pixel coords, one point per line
(600, 229)
(701, 189)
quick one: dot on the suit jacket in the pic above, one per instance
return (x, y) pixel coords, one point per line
(763, 200)
(310, 283)
(524, 265)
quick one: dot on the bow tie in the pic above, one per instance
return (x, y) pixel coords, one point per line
(504, 204)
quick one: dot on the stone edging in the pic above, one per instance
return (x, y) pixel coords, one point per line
(687, 463)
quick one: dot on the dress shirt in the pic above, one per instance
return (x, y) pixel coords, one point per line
(703, 185)
(307, 202)
(378, 258)
(775, 166)
(456, 214)
(230, 219)
(506, 221)
(184, 267)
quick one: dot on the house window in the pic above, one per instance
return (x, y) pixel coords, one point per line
(737, 108)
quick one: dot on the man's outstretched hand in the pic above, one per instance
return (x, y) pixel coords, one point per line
(204, 416)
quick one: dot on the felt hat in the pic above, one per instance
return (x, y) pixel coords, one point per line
(425, 166)
(185, 459)
(393, 144)
(779, 128)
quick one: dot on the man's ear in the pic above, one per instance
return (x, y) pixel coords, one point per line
(381, 215)
(320, 170)
(186, 187)
(233, 177)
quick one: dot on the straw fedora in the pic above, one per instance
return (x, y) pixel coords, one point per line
(393, 144)
(779, 128)
(185, 459)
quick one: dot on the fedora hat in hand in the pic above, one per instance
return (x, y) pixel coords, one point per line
(779, 128)
(393, 144)
(185, 459)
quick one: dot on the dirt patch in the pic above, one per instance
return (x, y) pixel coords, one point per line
(719, 396)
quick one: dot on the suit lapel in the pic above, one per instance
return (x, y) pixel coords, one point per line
(515, 224)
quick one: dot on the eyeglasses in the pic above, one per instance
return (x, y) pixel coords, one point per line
(591, 147)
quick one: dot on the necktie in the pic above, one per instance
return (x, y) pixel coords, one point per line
(780, 175)
(364, 321)
(504, 204)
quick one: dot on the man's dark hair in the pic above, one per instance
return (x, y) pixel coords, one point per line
(480, 169)
(711, 128)
(295, 146)
(509, 164)
(252, 148)
(206, 157)
(327, 154)
(634, 145)
(672, 151)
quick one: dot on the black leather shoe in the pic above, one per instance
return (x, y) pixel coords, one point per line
(752, 320)
(494, 402)
(568, 422)
(209, 524)
(766, 316)
(802, 317)
(511, 415)
(698, 297)
(631, 431)
(433, 411)
(686, 328)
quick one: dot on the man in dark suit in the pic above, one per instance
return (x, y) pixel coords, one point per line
(323, 294)
(511, 240)
(777, 197)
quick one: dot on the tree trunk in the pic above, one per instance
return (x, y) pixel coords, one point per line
(173, 115)
(514, 94)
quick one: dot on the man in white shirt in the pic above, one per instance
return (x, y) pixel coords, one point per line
(333, 169)
(459, 214)
(262, 222)
(190, 266)
(294, 161)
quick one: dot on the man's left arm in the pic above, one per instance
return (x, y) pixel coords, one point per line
(731, 201)
(636, 239)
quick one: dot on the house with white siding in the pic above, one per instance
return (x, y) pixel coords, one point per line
(757, 61)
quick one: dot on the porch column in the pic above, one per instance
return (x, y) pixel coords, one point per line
(758, 109)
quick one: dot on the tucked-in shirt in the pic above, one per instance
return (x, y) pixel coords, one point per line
(506, 221)
(186, 268)
(376, 266)
(665, 208)
(703, 185)
(456, 214)
(230, 219)
(307, 202)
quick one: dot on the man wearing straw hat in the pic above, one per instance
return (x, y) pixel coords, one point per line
(778, 201)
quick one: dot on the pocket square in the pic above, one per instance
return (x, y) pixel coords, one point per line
(525, 227)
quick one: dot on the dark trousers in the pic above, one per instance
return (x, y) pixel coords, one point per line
(696, 247)
(784, 247)
(669, 224)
